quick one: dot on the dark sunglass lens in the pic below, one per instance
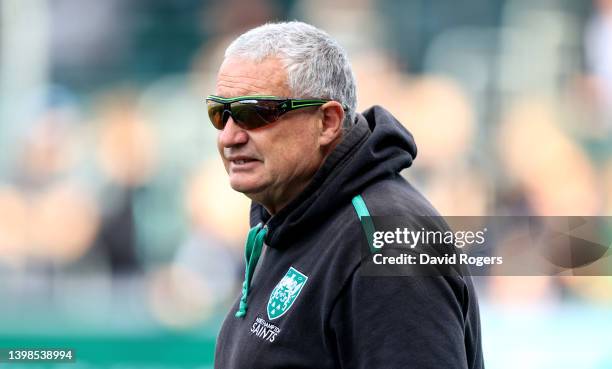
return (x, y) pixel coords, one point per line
(215, 113)
(268, 110)
(249, 115)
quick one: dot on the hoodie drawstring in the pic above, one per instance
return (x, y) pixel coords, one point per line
(252, 252)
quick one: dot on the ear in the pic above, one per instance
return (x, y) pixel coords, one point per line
(331, 123)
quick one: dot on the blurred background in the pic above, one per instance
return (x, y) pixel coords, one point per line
(120, 236)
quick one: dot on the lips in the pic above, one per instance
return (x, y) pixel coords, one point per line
(241, 159)
(240, 162)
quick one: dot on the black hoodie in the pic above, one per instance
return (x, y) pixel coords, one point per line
(310, 306)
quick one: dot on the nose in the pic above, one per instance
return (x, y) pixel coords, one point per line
(232, 135)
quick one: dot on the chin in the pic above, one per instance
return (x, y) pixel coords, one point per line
(245, 186)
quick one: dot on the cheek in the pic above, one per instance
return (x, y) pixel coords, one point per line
(289, 151)
(219, 146)
(220, 150)
(300, 155)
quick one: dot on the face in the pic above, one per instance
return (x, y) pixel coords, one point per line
(271, 164)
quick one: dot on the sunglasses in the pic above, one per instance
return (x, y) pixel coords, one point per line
(250, 112)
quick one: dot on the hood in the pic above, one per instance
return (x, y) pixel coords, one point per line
(376, 147)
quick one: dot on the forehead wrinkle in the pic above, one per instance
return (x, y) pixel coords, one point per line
(234, 77)
(253, 81)
(240, 83)
(237, 77)
(254, 89)
(257, 72)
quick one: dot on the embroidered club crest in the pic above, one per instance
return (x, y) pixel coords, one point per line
(285, 293)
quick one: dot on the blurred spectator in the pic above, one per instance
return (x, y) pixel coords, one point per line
(598, 43)
(556, 175)
(112, 215)
(127, 153)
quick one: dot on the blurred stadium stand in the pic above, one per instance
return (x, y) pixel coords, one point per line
(120, 237)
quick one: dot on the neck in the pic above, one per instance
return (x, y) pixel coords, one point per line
(274, 203)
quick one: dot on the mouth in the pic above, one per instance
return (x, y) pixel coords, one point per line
(242, 162)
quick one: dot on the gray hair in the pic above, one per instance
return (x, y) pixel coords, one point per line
(317, 66)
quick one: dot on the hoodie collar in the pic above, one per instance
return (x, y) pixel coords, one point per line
(377, 146)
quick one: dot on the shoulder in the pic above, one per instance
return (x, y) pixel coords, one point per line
(425, 322)
(395, 196)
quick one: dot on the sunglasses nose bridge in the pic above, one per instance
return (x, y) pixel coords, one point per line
(227, 113)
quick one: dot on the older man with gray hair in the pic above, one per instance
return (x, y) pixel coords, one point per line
(291, 140)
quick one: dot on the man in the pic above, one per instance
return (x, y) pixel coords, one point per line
(291, 141)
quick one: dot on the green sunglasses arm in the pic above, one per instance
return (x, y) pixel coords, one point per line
(228, 100)
(285, 104)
